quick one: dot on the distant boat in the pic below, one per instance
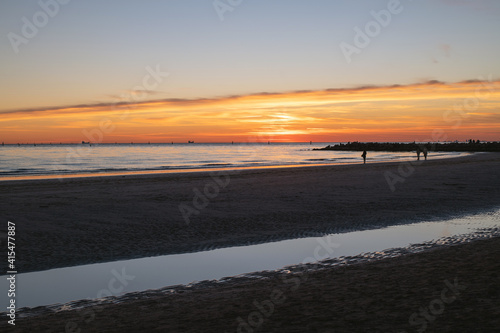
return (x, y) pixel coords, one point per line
(190, 141)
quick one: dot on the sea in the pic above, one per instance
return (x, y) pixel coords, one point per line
(30, 160)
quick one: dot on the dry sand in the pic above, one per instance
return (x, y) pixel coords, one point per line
(84, 220)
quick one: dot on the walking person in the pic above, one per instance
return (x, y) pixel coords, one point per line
(364, 156)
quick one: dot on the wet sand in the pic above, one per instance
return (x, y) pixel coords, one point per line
(447, 289)
(87, 220)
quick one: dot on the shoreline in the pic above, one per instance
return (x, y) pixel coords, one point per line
(139, 173)
(235, 169)
(101, 219)
(158, 172)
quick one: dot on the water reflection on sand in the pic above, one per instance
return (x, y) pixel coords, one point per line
(120, 277)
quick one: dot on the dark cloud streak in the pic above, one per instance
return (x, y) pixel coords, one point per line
(119, 106)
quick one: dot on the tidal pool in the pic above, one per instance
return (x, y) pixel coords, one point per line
(117, 278)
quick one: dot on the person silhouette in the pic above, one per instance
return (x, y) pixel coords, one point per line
(364, 156)
(418, 153)
(425, 153)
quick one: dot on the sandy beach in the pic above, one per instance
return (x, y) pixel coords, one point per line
(97, 219)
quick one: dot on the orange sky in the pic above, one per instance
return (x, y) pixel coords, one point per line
(390, 113)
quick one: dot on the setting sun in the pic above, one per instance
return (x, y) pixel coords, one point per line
(394, 113)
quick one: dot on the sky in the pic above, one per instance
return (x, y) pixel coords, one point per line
(249, 70)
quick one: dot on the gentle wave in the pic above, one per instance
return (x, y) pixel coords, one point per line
(64, 159)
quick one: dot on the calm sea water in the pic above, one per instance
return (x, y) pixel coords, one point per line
(56, 159)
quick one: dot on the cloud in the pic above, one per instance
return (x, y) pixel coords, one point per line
(446, 48)
(307, 106)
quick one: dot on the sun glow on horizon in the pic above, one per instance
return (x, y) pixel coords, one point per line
(388, 113)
